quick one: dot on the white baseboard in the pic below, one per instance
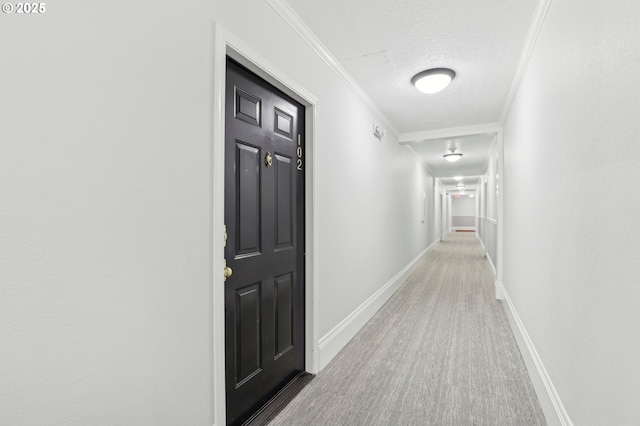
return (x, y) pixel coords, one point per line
(552, 406)
(484, 248)
(496, 283)
(336, 339)
(491, 265)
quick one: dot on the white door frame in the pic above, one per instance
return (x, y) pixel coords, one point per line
(226, 43)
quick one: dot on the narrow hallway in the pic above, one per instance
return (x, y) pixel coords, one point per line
(440, 352)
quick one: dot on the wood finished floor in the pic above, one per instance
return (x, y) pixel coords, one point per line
(440, 352)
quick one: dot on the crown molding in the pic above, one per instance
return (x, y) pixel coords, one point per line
(451, 132)
(298, 25)
(530, 42)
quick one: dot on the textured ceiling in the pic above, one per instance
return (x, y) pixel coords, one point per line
(474, 148)
(383, 43)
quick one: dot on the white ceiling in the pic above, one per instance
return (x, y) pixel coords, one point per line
(383, 43)
(474, 149)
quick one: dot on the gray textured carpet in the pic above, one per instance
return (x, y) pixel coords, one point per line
(440, 352)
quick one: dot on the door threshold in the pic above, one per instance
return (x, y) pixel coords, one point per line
(280, 400)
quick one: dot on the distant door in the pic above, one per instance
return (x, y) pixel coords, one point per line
(264, 216)
(441, 218)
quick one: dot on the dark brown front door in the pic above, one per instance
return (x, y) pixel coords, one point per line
(264, 216)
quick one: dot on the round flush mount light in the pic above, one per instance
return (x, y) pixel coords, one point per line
(452, 155)
(433, 80)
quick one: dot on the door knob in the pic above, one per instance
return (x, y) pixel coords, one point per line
(227, 271)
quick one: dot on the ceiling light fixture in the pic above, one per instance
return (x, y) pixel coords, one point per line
(457, 177)
(452, 155)
(433, 80)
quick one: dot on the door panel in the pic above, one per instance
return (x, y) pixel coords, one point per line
(264, 215)
(248, 197)
(248, 321)
(247, 107)
(284, 314)
(284, 193)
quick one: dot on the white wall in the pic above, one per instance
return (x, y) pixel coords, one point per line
(104, 235)
(105, 215)
(463, 212)
(493, 184)
(430, 223)
(463, 206)
(488, 210)
(439, 202)
(571, 262)
(446, 212)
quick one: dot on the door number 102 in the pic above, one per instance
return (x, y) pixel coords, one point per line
(299, 154)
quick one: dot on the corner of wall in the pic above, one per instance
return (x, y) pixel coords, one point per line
(335, 340)
(552, 406)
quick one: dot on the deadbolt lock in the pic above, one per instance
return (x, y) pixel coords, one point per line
(227, 271)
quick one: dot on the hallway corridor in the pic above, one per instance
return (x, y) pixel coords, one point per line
(440, 352)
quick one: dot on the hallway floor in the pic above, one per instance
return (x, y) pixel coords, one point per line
(440, 352)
